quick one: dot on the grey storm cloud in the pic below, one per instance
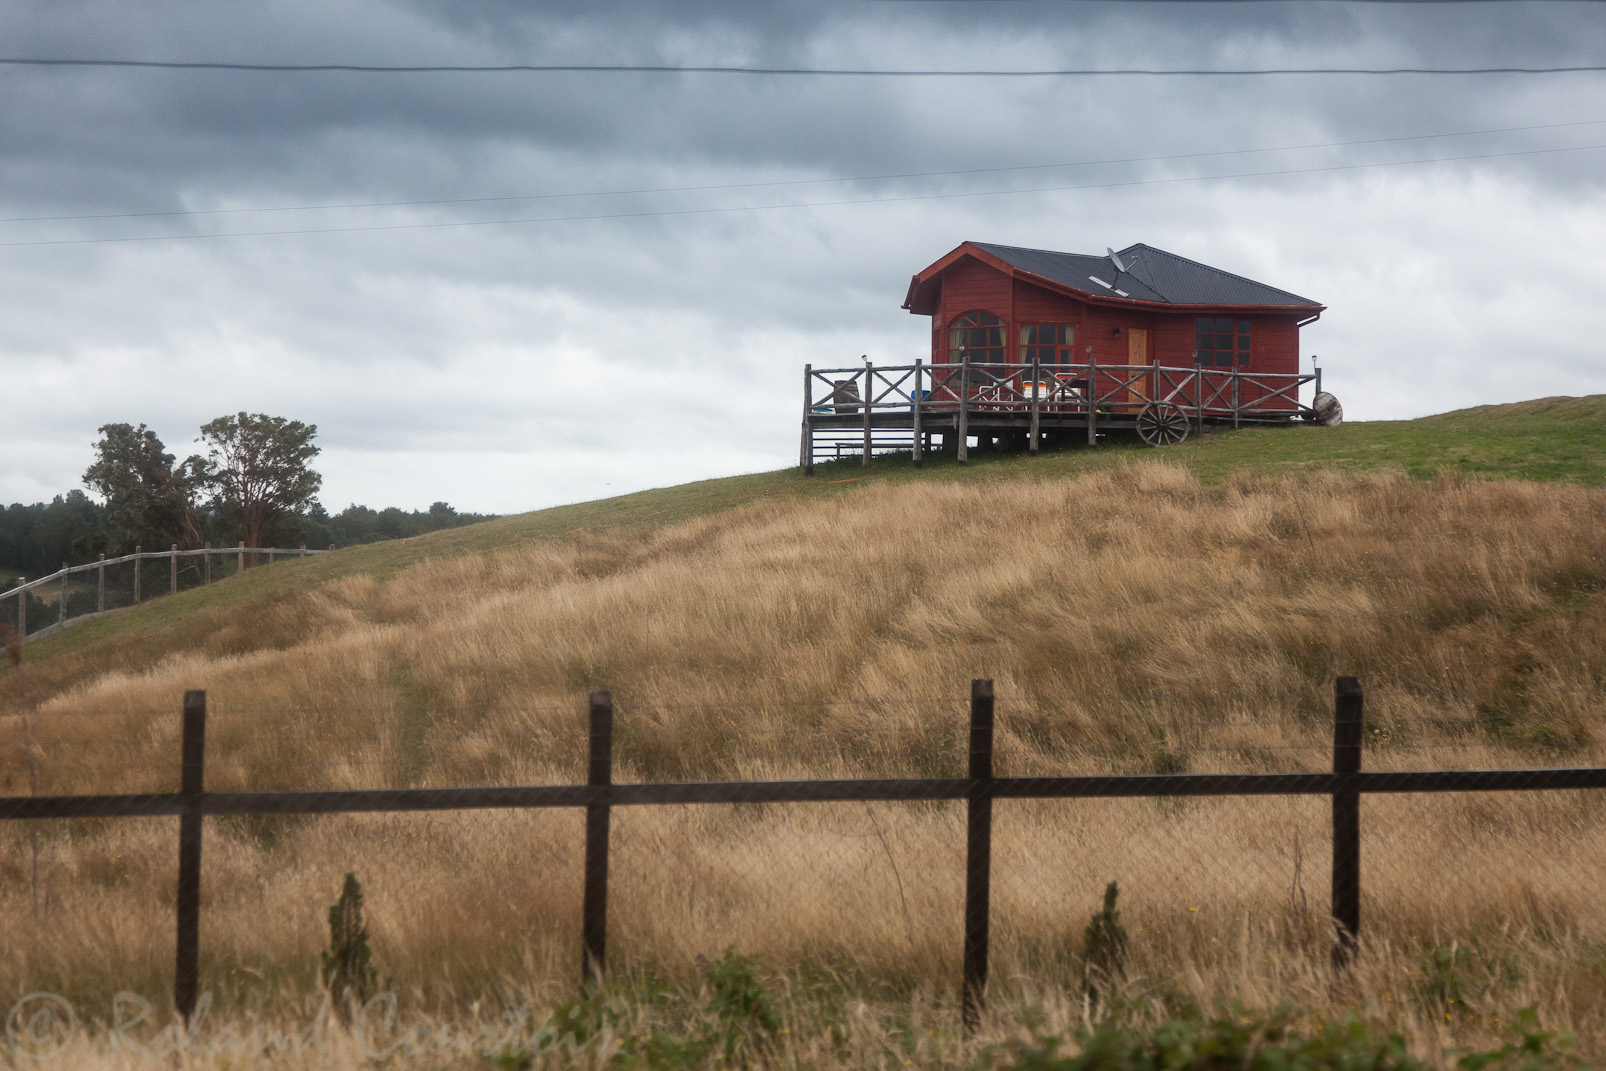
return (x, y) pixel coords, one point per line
(637, 338)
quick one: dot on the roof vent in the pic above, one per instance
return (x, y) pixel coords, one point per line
(1101, 282)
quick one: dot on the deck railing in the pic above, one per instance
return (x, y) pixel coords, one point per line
(1011, 387)
(244, 558)
(1090, 391)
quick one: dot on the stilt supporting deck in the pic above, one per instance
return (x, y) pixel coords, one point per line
(869, 405)
(915, 399)
(1092, 401)
(964, 408)
(1037, 390)
(806, 452)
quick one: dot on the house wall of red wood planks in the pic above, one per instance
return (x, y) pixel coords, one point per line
(969, 285)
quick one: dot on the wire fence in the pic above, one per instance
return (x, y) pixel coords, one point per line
(46, 605)
(936, 854)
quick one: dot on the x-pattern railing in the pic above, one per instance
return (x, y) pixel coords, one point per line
(1014, 387)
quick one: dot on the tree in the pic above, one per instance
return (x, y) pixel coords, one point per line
(149, 501)
(255, 473)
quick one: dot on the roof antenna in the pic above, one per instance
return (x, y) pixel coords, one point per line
(1115, 258)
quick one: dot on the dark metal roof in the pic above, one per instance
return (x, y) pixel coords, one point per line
(1152, 275)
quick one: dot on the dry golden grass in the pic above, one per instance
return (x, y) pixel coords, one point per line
(1133, 620)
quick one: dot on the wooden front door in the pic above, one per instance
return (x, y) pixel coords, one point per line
(1137, 352)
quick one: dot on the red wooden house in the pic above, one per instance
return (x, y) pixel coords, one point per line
(1028, 344)
(1139, 306)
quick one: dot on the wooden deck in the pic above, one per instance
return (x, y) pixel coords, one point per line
(920, 407)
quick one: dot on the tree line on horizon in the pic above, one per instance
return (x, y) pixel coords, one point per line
(254, 483)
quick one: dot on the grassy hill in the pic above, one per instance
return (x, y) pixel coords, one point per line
(1548, 439)
(1175, 610)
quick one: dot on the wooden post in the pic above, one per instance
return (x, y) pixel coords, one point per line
(1346, 902)
(916, 399)
(964, 407)
(805, 453)
(272, 555)
(100, 586)
(978, 853)
(22, 608)
(869, 395)
(239, 558)
(207, 569)
(331, 546)
(594, 914)
(303, 553)
(1092, 396)
(172, 572)
(186, 975)
(1198, 395)
(137, 554)
(1235, 398)
(1318, 384)
(1031, 436)
(61, 610)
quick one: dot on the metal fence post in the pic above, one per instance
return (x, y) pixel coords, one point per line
(594, 918)
(978, 852)
(186, 975)
(1346, 903)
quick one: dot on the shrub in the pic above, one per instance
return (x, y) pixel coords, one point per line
(1104, 946)
(348, 971)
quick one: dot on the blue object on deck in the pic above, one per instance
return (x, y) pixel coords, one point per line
(923, 396)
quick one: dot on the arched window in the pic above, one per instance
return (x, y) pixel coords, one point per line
(980, 335)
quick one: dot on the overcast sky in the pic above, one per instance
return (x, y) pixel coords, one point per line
(505, 366)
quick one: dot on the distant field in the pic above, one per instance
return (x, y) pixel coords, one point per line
(1140, 610)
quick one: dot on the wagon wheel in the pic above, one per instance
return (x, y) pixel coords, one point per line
(1162, 424)
(1326, 411)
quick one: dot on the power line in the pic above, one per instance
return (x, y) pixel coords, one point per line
(1140, 2)
(648, 213)
(826, 72)
(800, 182)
